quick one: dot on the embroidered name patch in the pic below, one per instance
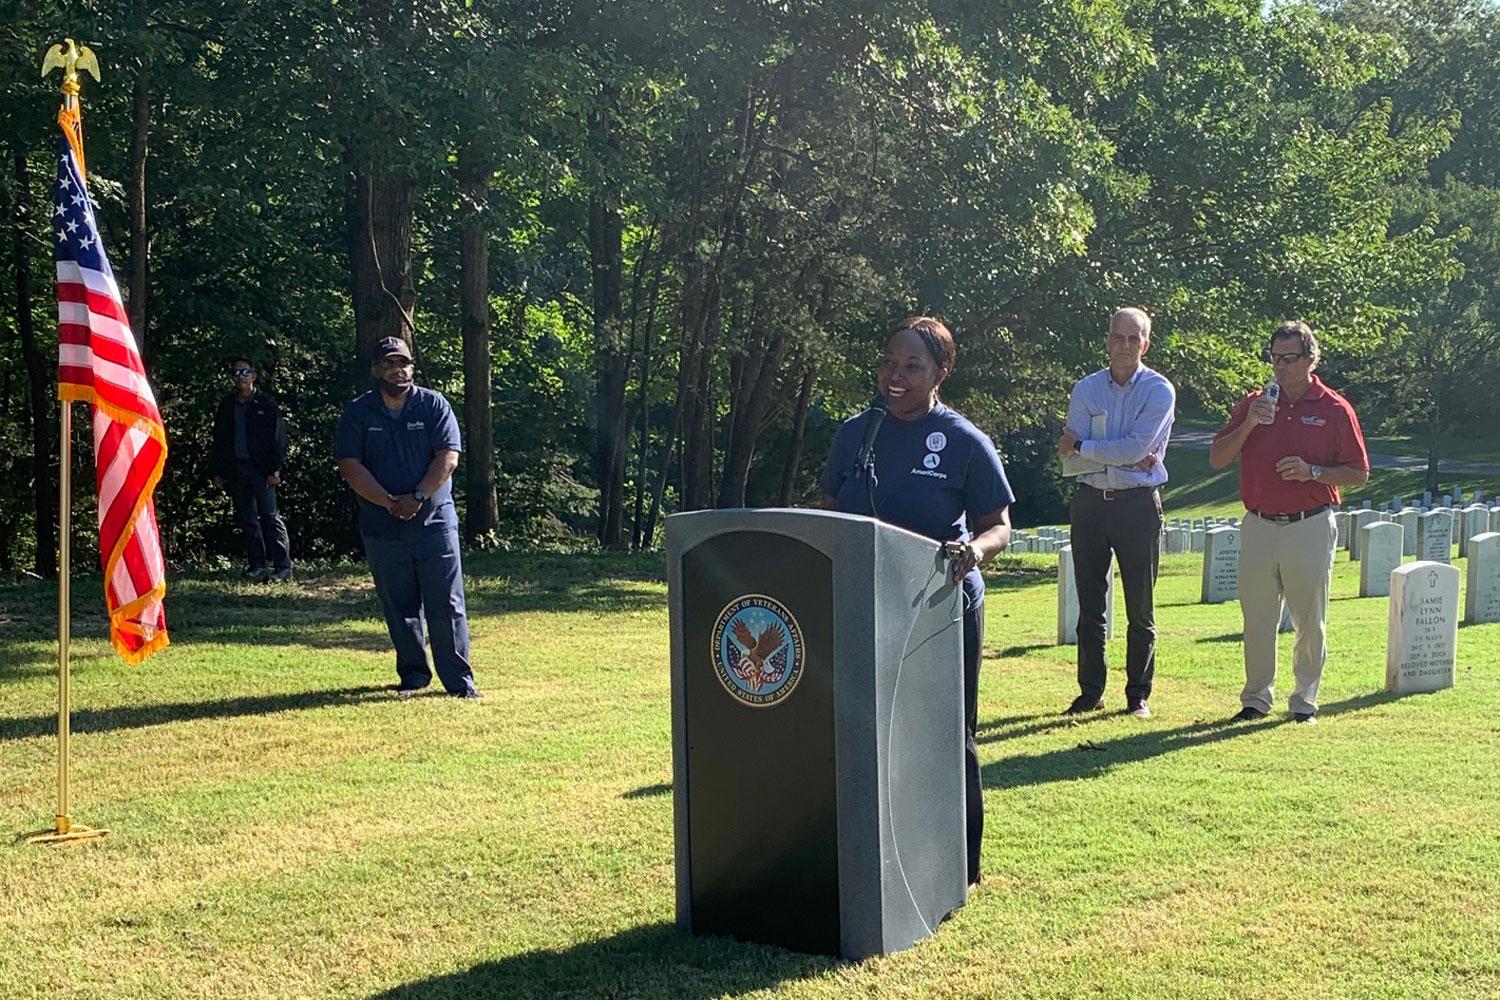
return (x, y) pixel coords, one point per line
(1313, 421)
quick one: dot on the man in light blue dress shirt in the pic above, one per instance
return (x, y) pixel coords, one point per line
(1119, 421)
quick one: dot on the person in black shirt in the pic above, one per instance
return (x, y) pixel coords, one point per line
(249, 450)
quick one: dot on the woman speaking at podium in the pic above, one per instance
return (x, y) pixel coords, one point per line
(929, 470)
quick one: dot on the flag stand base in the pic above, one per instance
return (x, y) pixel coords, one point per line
(65, 832)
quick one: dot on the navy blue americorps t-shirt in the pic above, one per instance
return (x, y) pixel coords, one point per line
(936, 475)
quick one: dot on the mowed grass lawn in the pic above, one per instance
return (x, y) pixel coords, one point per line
(284, 827)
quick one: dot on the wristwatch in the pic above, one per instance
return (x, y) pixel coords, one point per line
(1315, 471)
(419, 496)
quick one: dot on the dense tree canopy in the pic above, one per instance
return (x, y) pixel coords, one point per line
(650, 249)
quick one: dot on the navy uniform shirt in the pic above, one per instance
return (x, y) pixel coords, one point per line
(397, 450)
(936, 475)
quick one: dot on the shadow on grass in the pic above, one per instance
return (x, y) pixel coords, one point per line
(1234, 637)
(649, 791)
(647, 962)
(1017, 726)
(1092, 758)
(1010, 651)
(313, 610)
(106, 720)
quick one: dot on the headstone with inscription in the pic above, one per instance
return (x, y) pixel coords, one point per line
(1380, 552)
(1435, 536)
(1221, 565)
(1421, 645)
(1482, 590)
(1067, 600)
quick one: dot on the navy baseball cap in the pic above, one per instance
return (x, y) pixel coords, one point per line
(389, 347)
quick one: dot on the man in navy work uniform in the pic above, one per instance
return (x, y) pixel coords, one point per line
(397, 446)
(1119, 419)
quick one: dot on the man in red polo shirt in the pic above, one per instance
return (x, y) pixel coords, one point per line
(1294, 455)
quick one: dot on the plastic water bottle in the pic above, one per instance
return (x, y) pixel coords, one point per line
(1273, 393)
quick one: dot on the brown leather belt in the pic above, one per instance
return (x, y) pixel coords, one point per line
(1290, 518)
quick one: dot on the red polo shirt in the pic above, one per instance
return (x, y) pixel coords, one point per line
(1320, 428)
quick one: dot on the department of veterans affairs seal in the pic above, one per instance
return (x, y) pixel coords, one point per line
(757, 650)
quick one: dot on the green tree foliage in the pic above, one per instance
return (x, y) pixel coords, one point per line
(700, 221)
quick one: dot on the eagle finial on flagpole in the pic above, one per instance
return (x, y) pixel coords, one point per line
(70, 60)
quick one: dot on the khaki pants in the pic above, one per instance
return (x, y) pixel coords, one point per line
(1292, 562)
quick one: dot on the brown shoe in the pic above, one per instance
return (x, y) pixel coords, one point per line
(1083, 704)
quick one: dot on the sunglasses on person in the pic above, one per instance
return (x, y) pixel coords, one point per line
(241, 372)
(1285, 359)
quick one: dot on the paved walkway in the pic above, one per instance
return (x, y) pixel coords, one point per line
(1197, 439)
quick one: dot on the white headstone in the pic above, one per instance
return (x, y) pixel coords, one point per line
(1427, 498)
(1357, 525)
(1221, 565)
(1473, 520)
(1407, 518)
(1067, 600)
(1421, 644)
(1195, 540)
(1435, 536)
(1341, 522)
(1495, 518)
(1177, 540)
(1482, 590)
(1380, 552)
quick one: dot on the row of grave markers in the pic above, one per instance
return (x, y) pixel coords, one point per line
(1422, 625)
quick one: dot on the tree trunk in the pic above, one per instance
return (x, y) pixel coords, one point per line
(606, 255)
(758, 378)
(39, 377)
(139, 244)
(482, 515)
(799, 432)
(380, 214)
(644, 404)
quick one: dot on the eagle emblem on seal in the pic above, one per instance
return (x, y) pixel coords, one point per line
(757, 650)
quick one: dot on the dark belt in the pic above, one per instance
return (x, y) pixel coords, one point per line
(1290, 518)
(1116, 494)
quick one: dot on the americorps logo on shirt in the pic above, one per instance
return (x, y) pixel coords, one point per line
(931, 460)
(937, 441)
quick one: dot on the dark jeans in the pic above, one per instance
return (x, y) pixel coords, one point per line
(1129, 526)
(255, 509)
(973, 789)
(417, 580)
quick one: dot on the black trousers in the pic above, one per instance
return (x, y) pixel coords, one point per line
(255, 509)
(1128, 528)
(973, 789)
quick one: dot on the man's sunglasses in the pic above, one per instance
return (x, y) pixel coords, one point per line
(241, 372)
(1285, 359)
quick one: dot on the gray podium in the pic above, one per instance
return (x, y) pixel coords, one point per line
(817, 730)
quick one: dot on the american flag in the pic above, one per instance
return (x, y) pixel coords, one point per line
(98, 363)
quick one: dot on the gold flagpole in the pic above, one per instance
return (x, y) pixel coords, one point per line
(64, 829)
